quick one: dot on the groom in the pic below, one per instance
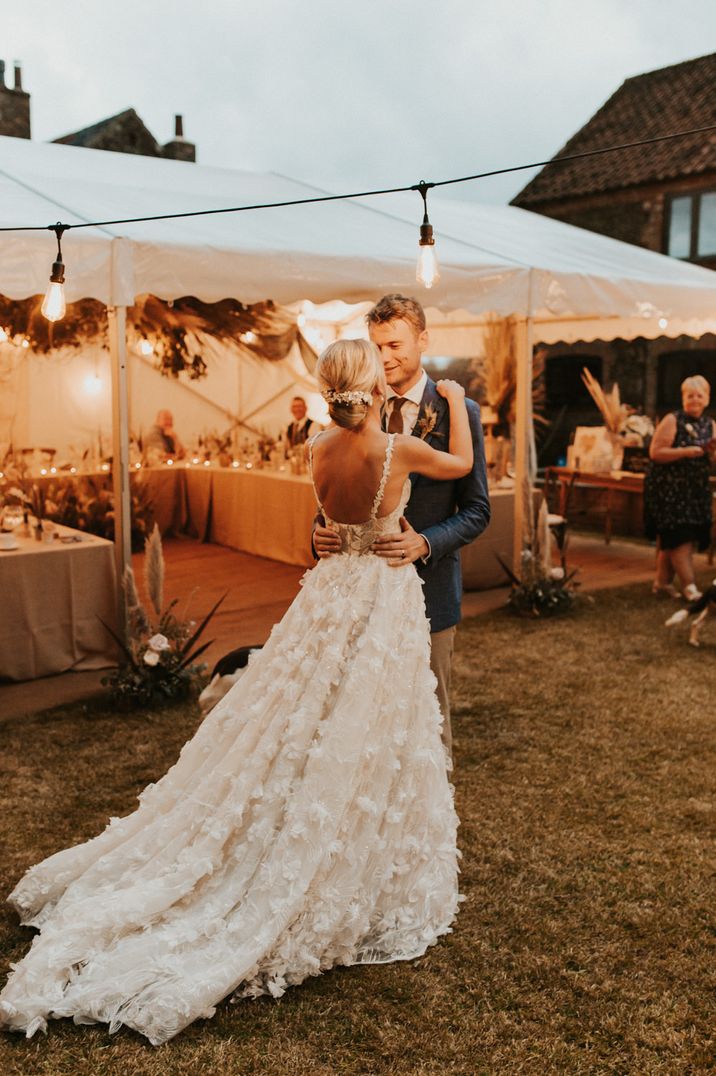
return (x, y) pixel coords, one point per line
(441, 516)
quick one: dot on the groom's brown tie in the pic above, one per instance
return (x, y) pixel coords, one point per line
(395, 422)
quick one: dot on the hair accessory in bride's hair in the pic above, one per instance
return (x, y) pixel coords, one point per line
(349, 397)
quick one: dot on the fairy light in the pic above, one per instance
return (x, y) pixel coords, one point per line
(427, 272)
(53, 305)
(146, 347)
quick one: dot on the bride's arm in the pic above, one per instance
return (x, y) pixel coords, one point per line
(421, 457)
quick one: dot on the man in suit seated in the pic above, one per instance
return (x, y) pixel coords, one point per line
(161, 442)
(441, 516)
(298, 431)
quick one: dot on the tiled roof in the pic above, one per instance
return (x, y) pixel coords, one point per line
(88, 135)
(675, 98)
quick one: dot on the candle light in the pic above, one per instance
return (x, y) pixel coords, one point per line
(170, 463)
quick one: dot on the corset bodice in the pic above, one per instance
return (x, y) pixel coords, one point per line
(357, 538)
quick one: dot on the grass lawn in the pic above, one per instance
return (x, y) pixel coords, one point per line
(586, 784)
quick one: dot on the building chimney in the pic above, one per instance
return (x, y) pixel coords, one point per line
(179, 149)
(14, 106)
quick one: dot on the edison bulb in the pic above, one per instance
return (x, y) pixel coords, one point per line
(427, 272)
(53, 305)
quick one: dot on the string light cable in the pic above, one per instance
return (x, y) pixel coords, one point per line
(427, 272)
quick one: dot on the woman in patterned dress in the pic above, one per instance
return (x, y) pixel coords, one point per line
(677, 497)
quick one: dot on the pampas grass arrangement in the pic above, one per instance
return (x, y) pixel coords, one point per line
(612, 410)
(160, 652)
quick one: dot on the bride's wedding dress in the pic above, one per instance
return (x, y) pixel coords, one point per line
(309, 823)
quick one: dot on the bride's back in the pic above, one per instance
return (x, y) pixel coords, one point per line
(347, 471)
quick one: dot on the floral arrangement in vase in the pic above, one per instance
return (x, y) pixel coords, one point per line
(160, 652)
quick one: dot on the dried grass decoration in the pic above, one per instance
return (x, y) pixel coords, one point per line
(540, 589)
(612, 410)
(177, 330)
(160, 652)
(500, 373)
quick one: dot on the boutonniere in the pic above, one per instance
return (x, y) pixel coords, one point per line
(690, 430)
(427, 421)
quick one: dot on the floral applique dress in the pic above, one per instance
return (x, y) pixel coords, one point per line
(309, 823)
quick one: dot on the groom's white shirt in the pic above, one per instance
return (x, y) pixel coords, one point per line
(413, 398)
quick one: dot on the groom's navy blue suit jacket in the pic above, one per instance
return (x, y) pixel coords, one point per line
(449, 513)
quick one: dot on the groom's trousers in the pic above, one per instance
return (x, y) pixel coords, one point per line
(442, 644)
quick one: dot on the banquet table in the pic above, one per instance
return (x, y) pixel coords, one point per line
(481, 569)
(266, 513)
(52, 597)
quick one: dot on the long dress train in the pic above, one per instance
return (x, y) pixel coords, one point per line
(308, 823)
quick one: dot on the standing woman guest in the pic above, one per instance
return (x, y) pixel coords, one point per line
(677, 497)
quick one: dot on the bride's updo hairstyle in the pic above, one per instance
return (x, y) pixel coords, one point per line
(348, 372)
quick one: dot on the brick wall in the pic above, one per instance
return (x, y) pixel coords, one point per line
(14, 107)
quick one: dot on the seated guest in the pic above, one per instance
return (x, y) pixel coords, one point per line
(162, 442)
(298, 431)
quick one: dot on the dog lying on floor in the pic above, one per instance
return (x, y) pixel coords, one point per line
(700, 609)
(224, 675)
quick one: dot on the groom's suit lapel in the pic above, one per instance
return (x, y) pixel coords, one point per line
(435, 433)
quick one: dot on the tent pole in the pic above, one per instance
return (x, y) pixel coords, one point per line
(117, 316)
(525, 462)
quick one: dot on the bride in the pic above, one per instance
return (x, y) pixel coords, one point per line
(309, 822)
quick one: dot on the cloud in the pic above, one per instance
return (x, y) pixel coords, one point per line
(388, 91)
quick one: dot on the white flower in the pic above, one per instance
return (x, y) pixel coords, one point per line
(151, 657)
(158, 642)
(556, 573)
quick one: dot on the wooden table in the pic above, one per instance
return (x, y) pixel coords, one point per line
(615, 485)
(52, 597)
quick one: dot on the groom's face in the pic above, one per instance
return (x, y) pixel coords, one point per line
(401, 349)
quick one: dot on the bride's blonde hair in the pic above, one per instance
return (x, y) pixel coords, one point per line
(348, 372)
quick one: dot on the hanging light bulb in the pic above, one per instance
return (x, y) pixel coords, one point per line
(53, 305)
(427, 272)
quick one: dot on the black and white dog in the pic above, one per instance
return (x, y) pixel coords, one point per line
(700, 609)
(224, 675)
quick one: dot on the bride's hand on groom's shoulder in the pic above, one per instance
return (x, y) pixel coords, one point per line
(450, 389)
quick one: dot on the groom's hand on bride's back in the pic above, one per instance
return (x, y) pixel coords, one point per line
(325, 540)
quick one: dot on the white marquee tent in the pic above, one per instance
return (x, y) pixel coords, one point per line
(559, 282)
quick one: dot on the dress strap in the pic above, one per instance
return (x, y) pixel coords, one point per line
(310, 469)
(384, 477)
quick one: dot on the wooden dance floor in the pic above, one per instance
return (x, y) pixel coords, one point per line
(259, 591)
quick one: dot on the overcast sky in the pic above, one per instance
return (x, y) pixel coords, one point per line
(354, 95)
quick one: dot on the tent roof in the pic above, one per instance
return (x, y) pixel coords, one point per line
(492, 258)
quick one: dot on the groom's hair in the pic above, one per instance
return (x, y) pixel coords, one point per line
(392, 307)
